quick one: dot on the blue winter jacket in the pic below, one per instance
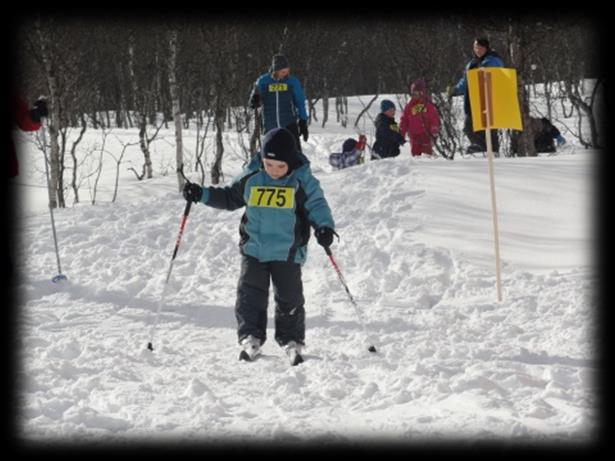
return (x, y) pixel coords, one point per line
(283, 100)
(490, 59)
(279, 212)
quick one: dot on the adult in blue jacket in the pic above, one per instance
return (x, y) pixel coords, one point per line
(281, 96)
(483, 56)
(282, 200)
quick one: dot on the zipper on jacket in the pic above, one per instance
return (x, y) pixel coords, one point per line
(277, 107)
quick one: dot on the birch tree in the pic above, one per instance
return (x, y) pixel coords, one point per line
(177, 117)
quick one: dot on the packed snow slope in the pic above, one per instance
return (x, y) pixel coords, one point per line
(416, 248)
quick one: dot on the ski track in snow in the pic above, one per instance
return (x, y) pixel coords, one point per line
(451, 361)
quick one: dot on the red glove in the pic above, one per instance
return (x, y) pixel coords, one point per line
(361, 143)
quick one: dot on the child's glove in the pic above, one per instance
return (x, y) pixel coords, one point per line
(560, 140)
(192, 192)
(324, 236)
(255, 101)
(303, 129)
(39, 110)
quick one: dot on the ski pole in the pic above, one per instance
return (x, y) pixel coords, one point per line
(182, 226)
(371, 348)
(60, 277)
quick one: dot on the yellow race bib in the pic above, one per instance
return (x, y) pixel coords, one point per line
(272, 197)
(274, 87)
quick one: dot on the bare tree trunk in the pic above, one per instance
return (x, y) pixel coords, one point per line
(585, 109)
(255, 138)
(177, 117)
(325, 103)
(341, 109)
(54, 119)
(216, 168)
(74, 157)
(141, 116)
(526, 145)
(100, 166)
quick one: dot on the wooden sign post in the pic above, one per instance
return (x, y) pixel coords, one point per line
(494, 103)
(486, 99)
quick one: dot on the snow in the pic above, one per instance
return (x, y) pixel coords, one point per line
(416, 250)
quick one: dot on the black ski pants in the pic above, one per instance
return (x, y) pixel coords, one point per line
(253, 297)
(477, 138)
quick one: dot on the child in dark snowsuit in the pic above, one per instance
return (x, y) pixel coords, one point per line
(352, 152)
(545, 136)
(282, 199)
(388, 138)
(420, 120)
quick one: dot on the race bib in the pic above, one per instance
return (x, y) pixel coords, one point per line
(272, 197)
(418, 109)
(274, 87)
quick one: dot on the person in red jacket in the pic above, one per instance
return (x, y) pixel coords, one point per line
(420, 120)
(27, 119)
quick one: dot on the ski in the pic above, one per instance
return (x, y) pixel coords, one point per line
(244, 356)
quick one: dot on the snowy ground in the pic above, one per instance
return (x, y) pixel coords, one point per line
(417, 251)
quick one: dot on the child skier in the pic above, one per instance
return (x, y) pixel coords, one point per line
(282, 199)
(352, 153)
(420, 120)
(388, 138)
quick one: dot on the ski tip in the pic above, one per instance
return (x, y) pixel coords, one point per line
(371, 349)
(244, 356)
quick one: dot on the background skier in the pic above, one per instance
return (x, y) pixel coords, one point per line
(545, 136)
(388, 138)
(420, 120)
(282, 98)
(483, 56)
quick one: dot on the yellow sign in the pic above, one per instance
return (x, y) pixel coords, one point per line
(272, 197)
(273, 87)
(493, 98)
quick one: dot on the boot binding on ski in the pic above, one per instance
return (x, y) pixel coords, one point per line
(293, 350)
(250, 348)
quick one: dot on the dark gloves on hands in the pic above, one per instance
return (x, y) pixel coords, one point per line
(255, 101)
(192, 192)
(303, 129)
(324, 236)
(39, 110)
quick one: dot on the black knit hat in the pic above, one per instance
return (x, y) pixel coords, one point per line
(349, 144)
(278, 62)
(482, 41)
(280, 144)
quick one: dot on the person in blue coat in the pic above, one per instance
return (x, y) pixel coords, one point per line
(282, 98)
(282, 200)
(483, 56)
